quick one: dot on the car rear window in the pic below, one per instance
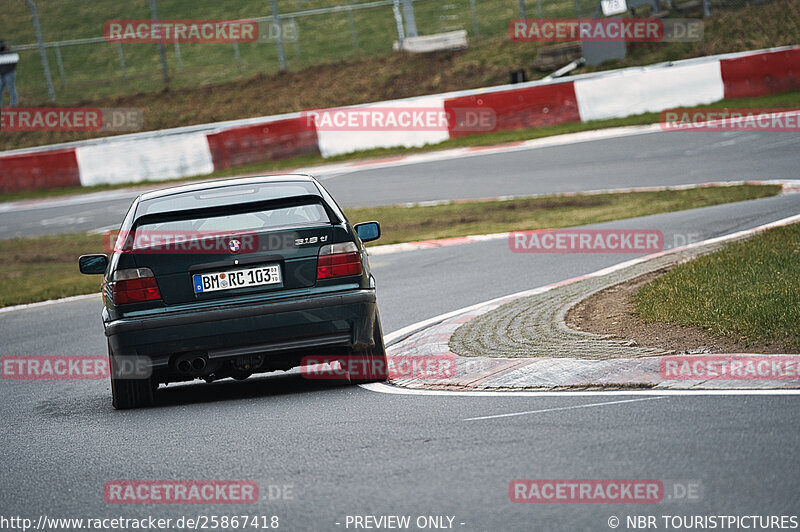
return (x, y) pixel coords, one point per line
(229, 195)
(311, 214)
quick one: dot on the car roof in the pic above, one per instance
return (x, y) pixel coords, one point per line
(221, 183)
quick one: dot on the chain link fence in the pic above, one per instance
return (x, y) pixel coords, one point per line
(82, 64)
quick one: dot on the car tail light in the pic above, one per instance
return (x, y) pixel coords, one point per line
(134, 286)
(338, 260)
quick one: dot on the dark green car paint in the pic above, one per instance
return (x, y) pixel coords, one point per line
(279, 323)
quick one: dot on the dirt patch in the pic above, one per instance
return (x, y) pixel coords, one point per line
(611, 312)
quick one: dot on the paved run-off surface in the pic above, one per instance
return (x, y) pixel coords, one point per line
(522, 340)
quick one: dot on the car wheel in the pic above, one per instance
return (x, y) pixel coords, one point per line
(373, 359)
(129, 393)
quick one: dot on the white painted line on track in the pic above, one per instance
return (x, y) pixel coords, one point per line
(480, 151)
(105, 229)
(49, 302)
(397, 390)
(575, 407)
(84, 198)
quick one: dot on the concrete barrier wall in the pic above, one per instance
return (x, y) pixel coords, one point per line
(633, 92)
(151, 159)
(271, 141)
(338, 142)
(33, 171)
(761, 74)
(536, 106)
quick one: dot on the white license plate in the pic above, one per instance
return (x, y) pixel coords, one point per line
(212, 282)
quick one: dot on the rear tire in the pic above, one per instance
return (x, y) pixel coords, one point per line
(374, 358)
(129, 393)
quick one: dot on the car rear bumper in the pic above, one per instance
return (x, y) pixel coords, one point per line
(312, 323)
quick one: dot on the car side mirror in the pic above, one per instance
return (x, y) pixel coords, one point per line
(368, 231)
(92, 264)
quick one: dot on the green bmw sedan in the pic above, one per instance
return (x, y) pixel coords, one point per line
(234, 277)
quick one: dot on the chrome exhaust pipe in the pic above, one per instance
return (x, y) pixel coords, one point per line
(198, 363)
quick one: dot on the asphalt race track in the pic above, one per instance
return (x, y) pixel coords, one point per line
(354, 451)
(656, 158)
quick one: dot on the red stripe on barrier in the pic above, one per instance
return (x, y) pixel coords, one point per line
(761, 74)
(37, 171)
(539, 106)
(271, 141)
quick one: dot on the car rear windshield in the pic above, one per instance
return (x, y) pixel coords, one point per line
(311, 214)
(228, 195)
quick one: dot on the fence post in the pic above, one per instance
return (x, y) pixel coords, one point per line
(522, 9)
(352, 24)
(61, 68)
(178, 54)
(474, 18)
(122, 60)
(160, 45)
(277, 22)
(51, 92)
(296, 38)
(236, 55)
(399, 21)
(411, 22)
